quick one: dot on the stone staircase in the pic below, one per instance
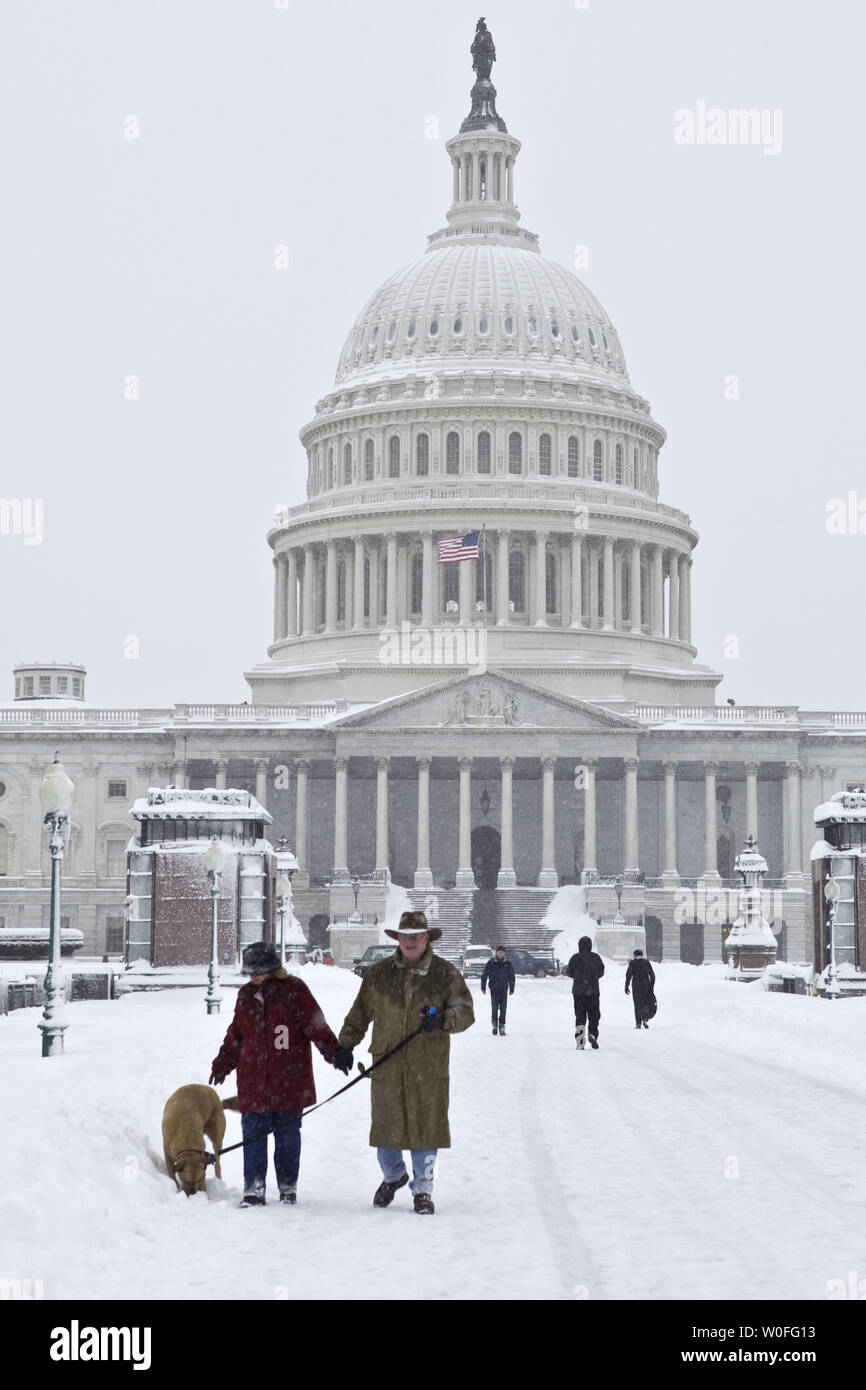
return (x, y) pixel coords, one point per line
(486, 917)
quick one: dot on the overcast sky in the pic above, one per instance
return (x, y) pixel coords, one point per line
(259, 126)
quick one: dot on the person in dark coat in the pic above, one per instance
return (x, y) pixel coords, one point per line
(640, 978)
(268, 1040)
(499, 974)
(586, 969)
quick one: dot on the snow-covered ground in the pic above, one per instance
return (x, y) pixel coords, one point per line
(717, 1155)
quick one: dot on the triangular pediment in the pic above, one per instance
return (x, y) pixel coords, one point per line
(485, 700)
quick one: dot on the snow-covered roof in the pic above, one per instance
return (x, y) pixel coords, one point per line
(841, 807)
(211, 803)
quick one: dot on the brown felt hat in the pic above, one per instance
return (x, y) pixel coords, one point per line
(413, 924)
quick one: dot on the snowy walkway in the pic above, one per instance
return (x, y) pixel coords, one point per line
(710, 1157)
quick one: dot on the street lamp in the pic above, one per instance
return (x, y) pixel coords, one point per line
(831, 895)
(214, 859)
(356, 888)
(55, 796)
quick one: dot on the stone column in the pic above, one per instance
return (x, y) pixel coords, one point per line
(711, 854)
(506, 878)
(38, 834)
(685, 599)
(277, 597)
(290, 621)
(793, 861)
(382, 813)
(634, 589)
(178, 774)
(423, 872)
(428, 609)
(502, 539)
(669, 868)
(674, 596)
(466, 591)
(341, 814)
(539, 588)
(630, 855)
(607, 624)
(617, 589)
(391, 582)
(589, 835)
(576, 581)
(262, 782)
(358, 622)
(752, 800)
(547, 877)
(594, 614)
(331, 587)
(302, 877)
(308, 591)
(85, 800)
(220, 768)
(658, 594)
(465, 877)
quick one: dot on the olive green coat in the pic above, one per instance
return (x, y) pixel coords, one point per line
(410, 1090)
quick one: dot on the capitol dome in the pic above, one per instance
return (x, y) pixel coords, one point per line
(482, 399)
(468, 303)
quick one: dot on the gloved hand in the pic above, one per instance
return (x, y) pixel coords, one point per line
(431, 1022)
(216, 1078)
(342, 1060)
(626, 989)
(483, 990)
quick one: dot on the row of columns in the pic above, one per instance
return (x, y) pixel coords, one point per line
(600, 608)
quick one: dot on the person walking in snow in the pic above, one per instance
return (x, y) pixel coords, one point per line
(586, 969)
(268, 1040)
(409, 1092)
(498, 973)
(641, 978)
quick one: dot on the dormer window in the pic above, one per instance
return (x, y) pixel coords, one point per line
(458, 326)
(575, 333)
(483, 325)
(592, 337)
(532, 326)
(392, 330)
(508, 325)
(434, 328)
(410, 331)
(554, 328)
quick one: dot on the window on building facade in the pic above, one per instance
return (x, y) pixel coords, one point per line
(573, 457)
(633, 479)
(517, 580)
(369, 455)
(618, 464)
(544, 456)
(76, 686)
(597, 465)
(320, 619)
(330, 475)
(483, 452)
(4, 851)
(422, 455)
(114, 936)
(347, 463)
(28, 685)
(117, 788)
(366, 587)
(393, 457)
(452, 452)
(484, 578)
(115, 858)
(62, 685)
(515, 452)
(625, 594)
(341, 591)
(450, 585)
(44, 685)
(550, 595)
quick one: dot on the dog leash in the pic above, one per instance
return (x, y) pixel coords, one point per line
(365, 1072)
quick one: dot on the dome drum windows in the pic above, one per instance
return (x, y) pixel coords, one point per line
(508, 325)
(410, 331)
(452, 453)
(545, 456)
(618, 474)
(347, 463)
(482, 452)
(515, 452)
(517, 581)
(422, 455)
(458, 326)
(573, 457)
(483, 325)
(393, 457)
(597, 463)
(433, 331)
(369, 456)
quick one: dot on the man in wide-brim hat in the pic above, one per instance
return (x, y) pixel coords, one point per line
(410, 1090)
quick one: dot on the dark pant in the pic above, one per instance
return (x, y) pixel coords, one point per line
(640, 1009)
(285, 1125)
(587, 1010)
(498, 1005)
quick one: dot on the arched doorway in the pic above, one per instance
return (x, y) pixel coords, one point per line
(317, 931)
(486, 855)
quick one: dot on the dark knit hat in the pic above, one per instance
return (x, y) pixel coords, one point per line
(637, 953)
(259, 959)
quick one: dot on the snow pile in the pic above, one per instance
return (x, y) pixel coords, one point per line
(396, 903)
(568, 917)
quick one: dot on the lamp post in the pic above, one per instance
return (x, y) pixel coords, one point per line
(356, 887)
(55, 796)
(831, 895)
(214, 859)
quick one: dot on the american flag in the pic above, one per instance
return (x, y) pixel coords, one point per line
(459, 548)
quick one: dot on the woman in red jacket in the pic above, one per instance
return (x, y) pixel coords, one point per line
(276, 1019)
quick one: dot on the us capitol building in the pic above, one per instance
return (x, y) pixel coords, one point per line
(480, 732)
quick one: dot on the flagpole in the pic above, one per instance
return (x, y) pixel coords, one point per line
(484, 572)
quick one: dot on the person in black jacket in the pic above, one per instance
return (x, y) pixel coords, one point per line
(499, 974)
(586, 969)
(641, 977)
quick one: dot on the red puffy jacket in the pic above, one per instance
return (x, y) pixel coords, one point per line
(269, 1042)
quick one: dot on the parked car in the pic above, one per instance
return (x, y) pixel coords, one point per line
(371, 956)
(475, 958)
(537, 963)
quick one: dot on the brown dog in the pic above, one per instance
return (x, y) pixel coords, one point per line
(190, 1114)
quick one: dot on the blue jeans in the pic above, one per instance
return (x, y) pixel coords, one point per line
(286, 1128)
(393, 1167)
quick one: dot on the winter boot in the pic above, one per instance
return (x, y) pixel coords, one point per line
(424, 1204)
(495, 1030)
(645, 1024)
(289, 1196)
(384, 1194)
(593, 1041)
(580, 1037)
(501, 1031)
(250, 1199)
